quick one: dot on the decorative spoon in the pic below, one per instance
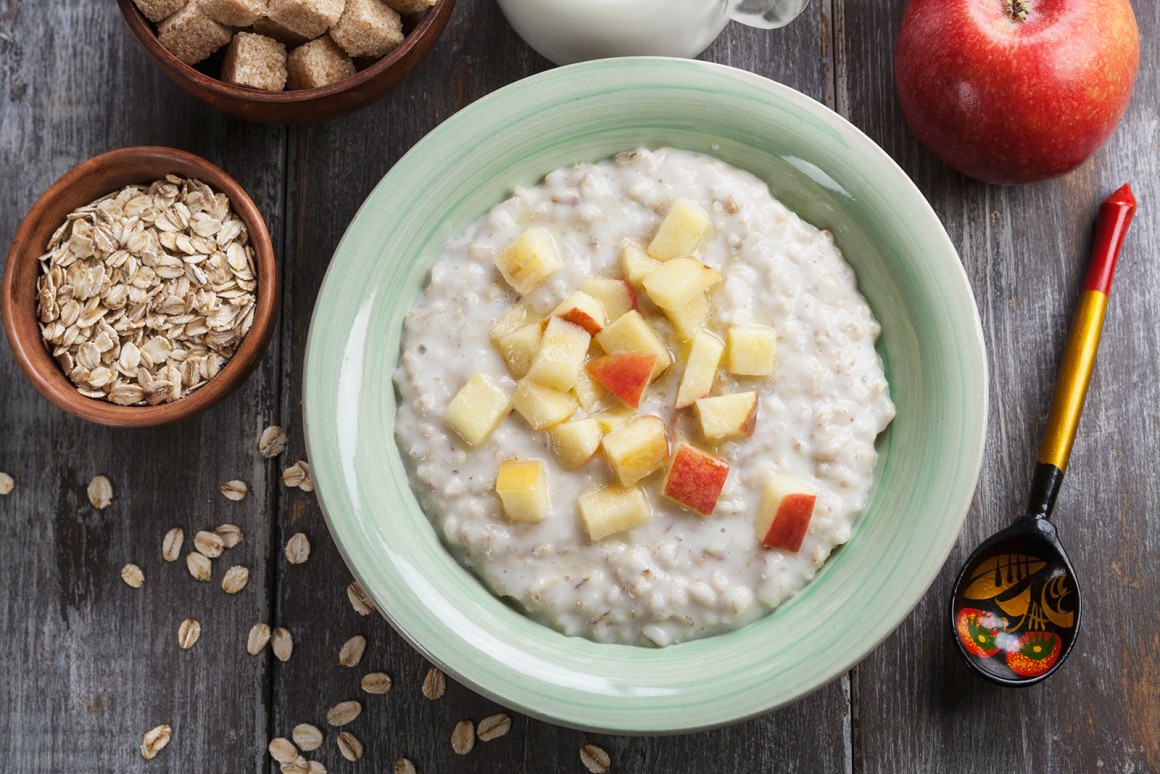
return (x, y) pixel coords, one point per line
(1015, 608)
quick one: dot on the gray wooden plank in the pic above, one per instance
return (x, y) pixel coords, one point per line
(87, 664)
(1025, 250)
(334, 167)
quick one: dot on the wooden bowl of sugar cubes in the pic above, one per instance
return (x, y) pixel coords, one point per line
(287, 61)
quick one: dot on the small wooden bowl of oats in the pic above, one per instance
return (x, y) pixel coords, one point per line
(141, 288)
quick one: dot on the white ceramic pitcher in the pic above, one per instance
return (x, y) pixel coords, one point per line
(567, 31)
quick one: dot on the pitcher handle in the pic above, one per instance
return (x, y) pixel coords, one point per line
(767, 14)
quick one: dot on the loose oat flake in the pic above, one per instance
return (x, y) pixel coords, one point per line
(298, 476)
(297, 766)
(344, 712)
(316, 767)
(272, 442)
(282, 750)
(350, 747)
(259, 636)
(208, 544)
(188, 633)
(463, 737)
(493, 727)
(100, 492)
(376, 683)
(297, 548)
(7, 483)
(155, 741)
(307, 737)
(352, 651)
(199, 566)
(132, 576)
(234, 490)
(404, 766)
(171, 545)
(230, 534)
(145, 294)
(434, 684)
(595, 759)
(235, 579)
(282, 643)
(359, 600)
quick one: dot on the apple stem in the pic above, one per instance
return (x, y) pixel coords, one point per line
(1018, 9)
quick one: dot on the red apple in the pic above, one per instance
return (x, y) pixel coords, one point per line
(695, 479)
(783, 517)
(1015, 91)
(625, 375)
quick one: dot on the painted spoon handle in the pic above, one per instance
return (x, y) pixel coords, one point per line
(1080, 354)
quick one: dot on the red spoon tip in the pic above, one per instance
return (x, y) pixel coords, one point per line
(1122, 197)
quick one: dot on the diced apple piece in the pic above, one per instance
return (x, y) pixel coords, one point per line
(529, 260)
(518, 348)
(560, 357)
(631, 333)
(680, 233)
(700, 369)
(616, 296)
(695, 479)
(727, 416)
(508, 322)
(690, 318)
(614, 418)
(677, 282)
(522, 485)
(583, 310)
(478, 408)
(635, 263)
(637, 449)
(542, 406)
(612, 509)
(752, 350)
(575, 442)
(625, 374)
(588, 391)
(783, 516)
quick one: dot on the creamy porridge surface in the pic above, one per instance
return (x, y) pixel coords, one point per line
(679, 576)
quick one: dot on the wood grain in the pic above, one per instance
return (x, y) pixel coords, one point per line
(87, 664)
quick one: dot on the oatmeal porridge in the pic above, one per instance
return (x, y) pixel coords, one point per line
(640, 399)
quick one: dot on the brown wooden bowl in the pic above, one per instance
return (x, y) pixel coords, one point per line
(85, 183)
(304, 105)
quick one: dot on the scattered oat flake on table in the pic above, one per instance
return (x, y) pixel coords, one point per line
(282, 643)
(344, 712)
(208, 544)
(171, 544)
(493, 727)
(230, 534)
(307, 737)
(377, 683)
(7, 483)
(297, 766)
(259, 636)
(350, 747)
(297, 548)
(235, 579)
(188, 633)
(595, 759)
(155, 741)
(132, 576)
(199, 566)
(404, 766)
(352, 651)
(316, 767)
(272, 442)
(235, 490)
(434, 684)
(297, 476)
(282, 750)
(359, 600)
(100, 492)
(463, 737)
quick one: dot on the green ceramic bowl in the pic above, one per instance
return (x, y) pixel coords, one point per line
(817, 164)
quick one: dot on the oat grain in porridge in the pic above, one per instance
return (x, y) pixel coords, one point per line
(697, 390)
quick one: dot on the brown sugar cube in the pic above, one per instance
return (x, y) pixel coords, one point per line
(272, 29)
(234, 13)
(318, 63)
(156, 10)
(406, 7)
(256, 62)
(368, 28)
(308, 18)
(190, 35)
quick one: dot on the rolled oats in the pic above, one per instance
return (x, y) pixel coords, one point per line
(359, 600)
(259, 636)
(235, 579)
(282, 643)
(282, 750)
(199, 566)
(350, 747)
(234, 490)
(307, 737)
(434, 683)
(298, 476)
(230, 534)
(272, 442)
(594, 759)
(7, 483)
(352, 651)
(404, 766)
(188, 633)
(171, 545)
(297, 548)
(155, 741)
(132, 576)
(344, 712)
(316, 767)
(463, 737)
(493, 727)
(100, 492)
(376, 683)
(208, 544)
(297, 766)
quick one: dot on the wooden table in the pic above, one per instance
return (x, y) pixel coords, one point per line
(88, 664)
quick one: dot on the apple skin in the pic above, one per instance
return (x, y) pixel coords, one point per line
(625, 375)
(789, 526)
(695, 479)
(1011, 101)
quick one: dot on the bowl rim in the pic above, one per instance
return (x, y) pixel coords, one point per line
(18, 308)
(143, 30)
(546, 706)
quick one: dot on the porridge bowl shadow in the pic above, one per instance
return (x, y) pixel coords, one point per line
(818, 165)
